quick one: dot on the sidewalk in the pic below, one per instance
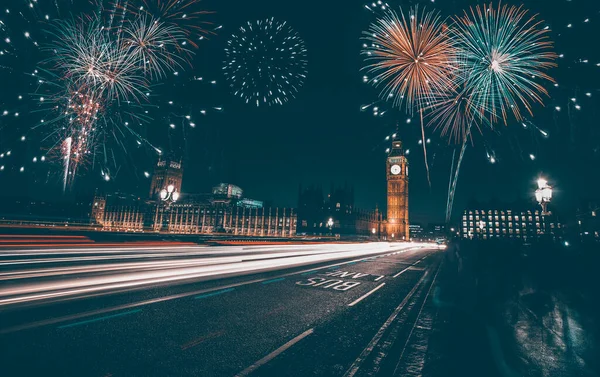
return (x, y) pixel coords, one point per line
(496, 318)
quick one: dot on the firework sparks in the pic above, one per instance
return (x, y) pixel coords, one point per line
(157, 46)
(504, 55)
(86, 54)
(411, 59)
(187, 15)
(266, 62)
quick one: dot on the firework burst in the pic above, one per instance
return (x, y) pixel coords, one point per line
(158, 47)
(85, 54)
(187, 15)
(266, 62)
(410, 58)
(504, 56)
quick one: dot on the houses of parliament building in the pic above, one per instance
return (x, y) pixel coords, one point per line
(225, 210)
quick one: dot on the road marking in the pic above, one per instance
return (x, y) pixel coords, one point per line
(214, 293)
(202, 339)
(367, 351)
(272, 281)
(366, 295)
(155, 300)
(401, 272)
(274, 354)
(100, 318)
(379, 278)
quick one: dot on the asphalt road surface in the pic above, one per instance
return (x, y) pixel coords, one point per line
(282, 310)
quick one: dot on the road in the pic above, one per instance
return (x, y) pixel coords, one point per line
(179, 310)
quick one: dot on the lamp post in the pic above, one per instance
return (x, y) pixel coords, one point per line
(167, 196)
(330, 226)
(543, 195)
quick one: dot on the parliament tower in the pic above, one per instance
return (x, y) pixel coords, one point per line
(168, 171)
(397, 193)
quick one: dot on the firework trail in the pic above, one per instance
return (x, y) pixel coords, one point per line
(412, 60)
(66, 148)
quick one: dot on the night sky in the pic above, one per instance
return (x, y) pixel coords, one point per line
(322, 137)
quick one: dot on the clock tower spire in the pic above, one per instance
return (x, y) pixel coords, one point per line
(397, 192)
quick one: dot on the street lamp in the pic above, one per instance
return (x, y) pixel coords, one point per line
(543, 195)
(330, 225)
(170, 194)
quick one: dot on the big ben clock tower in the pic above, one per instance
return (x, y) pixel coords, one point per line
(397, 193)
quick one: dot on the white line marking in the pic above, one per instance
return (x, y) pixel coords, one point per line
(401, 272)
(379, 278)
(367, 351)
(274, 354)
(366, 295)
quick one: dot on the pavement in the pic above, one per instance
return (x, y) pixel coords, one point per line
(158, 310)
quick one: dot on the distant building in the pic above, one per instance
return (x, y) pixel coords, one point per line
(436, 231)
(315, 210)
(416, 231)
(224, 210)
(519, 222)
(588, 222)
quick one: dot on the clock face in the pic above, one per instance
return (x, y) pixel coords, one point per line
(395, 169)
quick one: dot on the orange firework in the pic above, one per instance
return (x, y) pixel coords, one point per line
(413, 58)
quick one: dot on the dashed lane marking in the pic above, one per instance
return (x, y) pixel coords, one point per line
(274, 354)
(366, 295)
(100, 318)
(272, 281)
(201, 339)
(214, 293)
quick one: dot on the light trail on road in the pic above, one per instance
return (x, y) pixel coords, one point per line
(66, 274)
